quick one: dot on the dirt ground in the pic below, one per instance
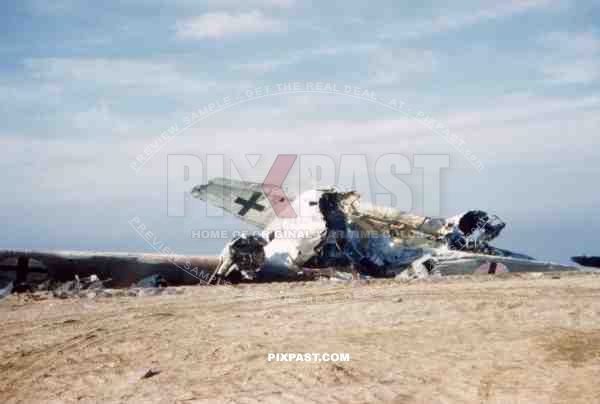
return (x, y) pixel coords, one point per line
(474, 339)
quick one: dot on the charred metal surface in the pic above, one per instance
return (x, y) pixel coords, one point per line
(22, 270)
(586, 261)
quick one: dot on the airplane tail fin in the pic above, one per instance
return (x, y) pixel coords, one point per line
(245, 200)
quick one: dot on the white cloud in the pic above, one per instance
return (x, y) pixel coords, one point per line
(133, 76)
(392, 66)
(574, 58)
(581, 43)
(580, 72)
(101, 119)
(102, 97)
(275, 3)
(254, 3)
(220, 25)
(470, 16)
(52, 8)
(511, 128)
(298, 56)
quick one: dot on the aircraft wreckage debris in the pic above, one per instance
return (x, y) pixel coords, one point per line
(340, 233)
(151, 373)
(342, 238)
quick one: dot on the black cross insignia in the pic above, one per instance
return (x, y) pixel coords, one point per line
(249, 204)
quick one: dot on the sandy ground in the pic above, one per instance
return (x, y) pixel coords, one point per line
(480, 339)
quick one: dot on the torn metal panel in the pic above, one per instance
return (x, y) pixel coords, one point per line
(6, 290)
(243, 258)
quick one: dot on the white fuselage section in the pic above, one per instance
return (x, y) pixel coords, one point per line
(300, 235)
(293, 235)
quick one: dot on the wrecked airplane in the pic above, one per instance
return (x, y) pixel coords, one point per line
(337, 230)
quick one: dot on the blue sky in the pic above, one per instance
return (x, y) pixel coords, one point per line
(85, 86)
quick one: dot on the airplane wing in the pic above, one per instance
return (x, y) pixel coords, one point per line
(123, 268)
(466, 263)
(250, 202)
